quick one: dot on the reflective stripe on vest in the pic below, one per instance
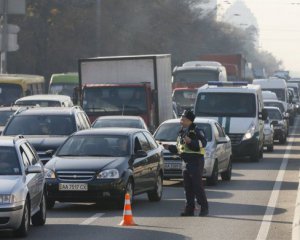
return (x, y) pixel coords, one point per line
(183, 148)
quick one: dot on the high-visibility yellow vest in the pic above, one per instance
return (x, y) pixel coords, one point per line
(183, 148)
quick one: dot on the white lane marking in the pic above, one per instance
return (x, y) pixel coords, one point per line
(266, 222)
(296, 222)
(92, 219)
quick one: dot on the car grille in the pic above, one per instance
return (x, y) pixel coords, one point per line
(235, 138)
(171, 157)
(4, 220)
(79, 176)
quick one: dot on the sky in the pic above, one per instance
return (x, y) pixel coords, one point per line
(279, 29)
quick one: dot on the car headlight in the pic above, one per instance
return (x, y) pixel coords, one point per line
(49, 174)
(109, 174)
(250, 133)
(7, 198)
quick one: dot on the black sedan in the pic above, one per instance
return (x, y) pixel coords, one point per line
(98, 164)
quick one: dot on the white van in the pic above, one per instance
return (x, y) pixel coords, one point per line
(239, 108)
(197, 73)
(268, 95)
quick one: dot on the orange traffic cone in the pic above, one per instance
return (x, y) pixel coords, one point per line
(127, 214)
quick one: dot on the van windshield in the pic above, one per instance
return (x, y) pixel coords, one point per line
(196, 76)
(280, 93)
(226, 104)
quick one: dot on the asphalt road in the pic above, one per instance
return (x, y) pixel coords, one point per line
(259, 203)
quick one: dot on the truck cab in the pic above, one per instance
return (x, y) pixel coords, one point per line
(238, 107)
(184, 98)
(195, 74)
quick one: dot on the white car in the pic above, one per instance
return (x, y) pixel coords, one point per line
(217, 152)
(22, 195)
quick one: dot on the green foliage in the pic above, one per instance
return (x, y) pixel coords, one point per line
(56, 33)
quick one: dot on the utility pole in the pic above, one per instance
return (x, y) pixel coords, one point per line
(4, 39)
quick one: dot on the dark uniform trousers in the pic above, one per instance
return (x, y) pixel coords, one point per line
(193, 184)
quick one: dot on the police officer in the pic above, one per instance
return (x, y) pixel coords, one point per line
(190, 146)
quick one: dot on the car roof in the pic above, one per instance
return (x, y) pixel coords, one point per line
(110, 131)
(249, 88)
(47, 111)
(9, 141)
(197, 120)
(45, 97)
(273, 100)
(273, 108)
(120, 117)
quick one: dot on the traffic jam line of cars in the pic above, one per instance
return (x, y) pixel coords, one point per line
(62, 159)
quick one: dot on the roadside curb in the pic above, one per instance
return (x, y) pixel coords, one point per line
(296, 222)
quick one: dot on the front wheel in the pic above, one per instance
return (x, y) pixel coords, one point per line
(130, 190)
(156, 194)
(226, 176)
(22, 231)
(213, 179)
(39, 219)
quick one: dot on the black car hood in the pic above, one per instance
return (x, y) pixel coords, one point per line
(85, 163)
(44, 143)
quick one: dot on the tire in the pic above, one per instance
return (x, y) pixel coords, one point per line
(50, 203)
(22, 231)
(270, 148)
(129, 189)
(156, 194)
(39, 219)
(226, 176)
(213, 179)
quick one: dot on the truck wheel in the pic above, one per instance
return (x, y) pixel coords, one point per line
(213, 179)
(22, 231)
(39, 219)
(156, 194)
(226, 176)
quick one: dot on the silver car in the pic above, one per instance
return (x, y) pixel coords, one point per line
(22, 196)
(217, 152)
(268, 135)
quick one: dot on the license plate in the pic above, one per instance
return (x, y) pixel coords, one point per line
(173, 166)
(73, 187)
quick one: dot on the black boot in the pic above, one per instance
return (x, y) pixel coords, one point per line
(204, 212)
(187, 213)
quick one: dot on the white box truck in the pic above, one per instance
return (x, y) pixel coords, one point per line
(127, 85)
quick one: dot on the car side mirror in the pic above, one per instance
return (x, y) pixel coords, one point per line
(50, 152)
(140, 154)
(34, 169)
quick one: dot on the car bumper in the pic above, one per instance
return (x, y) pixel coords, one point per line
(278, 133)
(11, 217)
(268, 141)
(97, 190)
(245, 148)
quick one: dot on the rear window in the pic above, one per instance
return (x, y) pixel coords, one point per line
(39, 103)
(168, 132)
(41, 125)
(127, 123)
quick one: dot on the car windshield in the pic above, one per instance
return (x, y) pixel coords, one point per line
(41, 125)
(117, 100)
(226, 104)
(9, 163)
(63, 89)
(127, 123)
(9, 93)
(4, 116)
(185, 97)
(168, 132)
(274, 114)
(96, 145)
(280, 93)
(275, 104)
(41, 103)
